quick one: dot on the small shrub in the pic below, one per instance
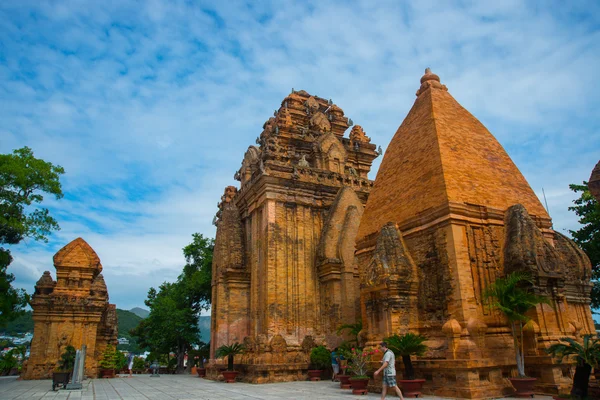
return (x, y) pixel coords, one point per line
(320, 357)
(67, 359)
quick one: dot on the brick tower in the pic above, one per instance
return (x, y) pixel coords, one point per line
(449, 213)
(284, 274)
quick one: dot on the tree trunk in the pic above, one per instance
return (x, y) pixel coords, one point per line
(408, 368)
(581, 380)
(180, 357)
(230, 362)
(519, 355)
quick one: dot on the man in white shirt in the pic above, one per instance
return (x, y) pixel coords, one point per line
(388, 365)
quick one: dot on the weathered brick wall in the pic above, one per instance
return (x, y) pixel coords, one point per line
(73, 310)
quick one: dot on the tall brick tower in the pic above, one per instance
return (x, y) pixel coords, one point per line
(284, 274)
(449, 213)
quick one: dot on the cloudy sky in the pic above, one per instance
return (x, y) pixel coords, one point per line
(150, 105)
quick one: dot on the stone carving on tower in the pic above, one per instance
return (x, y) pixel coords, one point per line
(73, 310)
(284, 274)
(449, 213)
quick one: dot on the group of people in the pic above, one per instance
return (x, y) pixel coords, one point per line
(388, 366)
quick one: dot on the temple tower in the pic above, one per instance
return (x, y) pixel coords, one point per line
(449, 213)
(73, 310)
(283, 270)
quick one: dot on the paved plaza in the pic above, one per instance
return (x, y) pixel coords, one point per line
(178, 387)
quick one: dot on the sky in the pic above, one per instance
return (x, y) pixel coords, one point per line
(150, 105)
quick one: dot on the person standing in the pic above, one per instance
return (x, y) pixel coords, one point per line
(388, 365)
(335, 364)
(130, 365)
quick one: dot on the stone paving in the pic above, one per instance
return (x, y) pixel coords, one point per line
(182, 387)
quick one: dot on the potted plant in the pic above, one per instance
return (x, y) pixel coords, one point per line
(587, 355)
(8, 362)
(121, 362)
(359, 364)
(139, 365)
(229, 352)
(513, 297)
(320, 359)
(62, 374)
(344, 352)
(108, 363)
(405, 346)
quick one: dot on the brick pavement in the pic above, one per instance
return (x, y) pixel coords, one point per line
(181, 387)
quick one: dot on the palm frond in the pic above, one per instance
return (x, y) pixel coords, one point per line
(587, 352)
(511, 298)
(227, 350)
(407, 344)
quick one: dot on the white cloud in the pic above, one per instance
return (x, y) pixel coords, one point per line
(150, 106)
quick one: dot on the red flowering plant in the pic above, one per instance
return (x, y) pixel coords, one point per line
(359, 361)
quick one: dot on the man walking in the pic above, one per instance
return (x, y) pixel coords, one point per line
(388, 365)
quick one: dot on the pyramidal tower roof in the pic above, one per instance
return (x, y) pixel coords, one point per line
(440, 155)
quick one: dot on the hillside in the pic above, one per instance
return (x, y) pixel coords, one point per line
(140, 312)
(22, 324)
(204, 325)
(127, 321)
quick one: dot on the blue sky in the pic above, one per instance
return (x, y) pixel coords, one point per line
(150, 105)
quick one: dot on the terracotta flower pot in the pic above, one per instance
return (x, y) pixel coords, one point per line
(229, 376)
(194, 371)
(359, 386)
(523, 386)
(344, 381)
(314, 374)
(411, 387)
(201, 372)
(107, 373)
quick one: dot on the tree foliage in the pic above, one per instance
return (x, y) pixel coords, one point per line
(512, 296)
(230, 351)
(587, 356)
(352, 330)
(24, 180)
(588, 236)
(405, 346)
(172, 325)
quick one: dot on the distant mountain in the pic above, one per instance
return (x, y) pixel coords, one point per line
(22, 324)
(127, 321)
(204, 325)
(140, 312)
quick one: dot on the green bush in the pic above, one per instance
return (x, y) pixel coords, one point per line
(120, 360)
(320, 357)
(67, 359)
(139, 364)
(109, 358)
(8, 361)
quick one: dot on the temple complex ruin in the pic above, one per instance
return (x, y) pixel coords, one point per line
(308, 243)
(283, 270)
(73, 310)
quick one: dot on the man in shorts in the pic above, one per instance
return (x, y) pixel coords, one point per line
(388, 365)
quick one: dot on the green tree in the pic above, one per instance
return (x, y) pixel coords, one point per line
(196, 278)
(352, 330)
(172, 325)
(588, 236)
(513, 297)
(587, 356)
(23, 181)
